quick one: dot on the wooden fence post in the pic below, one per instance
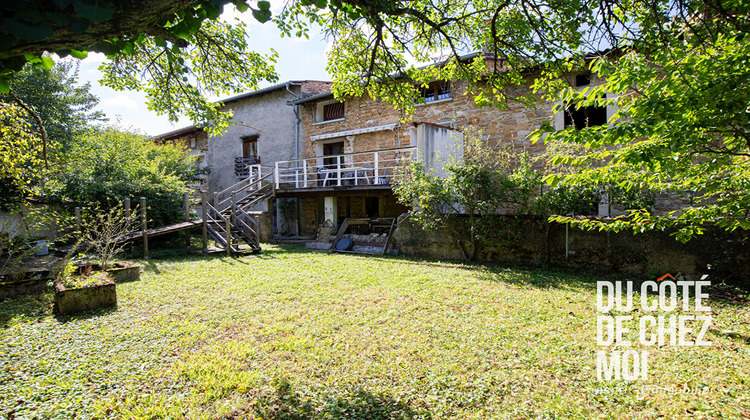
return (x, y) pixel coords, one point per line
(144, 227)
(229, 235)
(129, 245)
(78, 219)
(204, 211)
(187, 219)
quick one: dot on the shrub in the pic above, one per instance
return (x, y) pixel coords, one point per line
(105, 166)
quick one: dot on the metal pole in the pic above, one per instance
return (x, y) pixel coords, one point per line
(204, 211)
(144, 227)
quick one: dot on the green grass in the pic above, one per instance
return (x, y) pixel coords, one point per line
(295, 334)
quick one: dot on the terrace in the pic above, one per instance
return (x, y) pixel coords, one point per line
(351, 171)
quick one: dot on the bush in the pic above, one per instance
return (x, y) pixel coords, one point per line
(105, 166)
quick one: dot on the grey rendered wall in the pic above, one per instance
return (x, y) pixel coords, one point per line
(270, 118)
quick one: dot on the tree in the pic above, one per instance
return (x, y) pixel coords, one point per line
(682, 128)
(676, 70)
(487, 181)
(65, 107)
(106, 165)
(180, 46)
(19, 155)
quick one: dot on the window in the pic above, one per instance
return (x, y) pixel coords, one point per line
(329, 111)
(330, 149)
(436, 91)
(250, 147)
(334, 111)
(590, 116)
(583, 79)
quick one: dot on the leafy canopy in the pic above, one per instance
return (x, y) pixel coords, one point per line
(65, 107)
(676, 70)
(177, 52)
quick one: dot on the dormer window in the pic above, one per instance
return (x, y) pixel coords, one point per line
(329, 111)
(436, 91)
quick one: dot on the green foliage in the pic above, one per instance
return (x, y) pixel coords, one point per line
(65, 107)
(175, 52)
(178, 78)
(20, 155)
(489, 181)
(103, 232)
(465, 202)
(104, 166)
(680, 129)
(677, 70)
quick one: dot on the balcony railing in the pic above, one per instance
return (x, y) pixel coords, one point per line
(242, 165)
(379, 167)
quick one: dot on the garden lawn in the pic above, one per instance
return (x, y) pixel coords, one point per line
(297, 334)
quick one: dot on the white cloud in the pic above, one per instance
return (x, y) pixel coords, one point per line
(119, 101)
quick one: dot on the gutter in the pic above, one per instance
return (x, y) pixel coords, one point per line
(297, 120)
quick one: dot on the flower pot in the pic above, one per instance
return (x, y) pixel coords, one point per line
(119, 271)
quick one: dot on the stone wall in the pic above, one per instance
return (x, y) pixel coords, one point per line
(645, 255)
(509, 127)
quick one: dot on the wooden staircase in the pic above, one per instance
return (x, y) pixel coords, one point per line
(229, 220)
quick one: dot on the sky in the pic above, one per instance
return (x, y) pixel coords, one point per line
(299, 59)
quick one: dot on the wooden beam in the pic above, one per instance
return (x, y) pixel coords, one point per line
(144, 227)
(186, 197)
(204, 210)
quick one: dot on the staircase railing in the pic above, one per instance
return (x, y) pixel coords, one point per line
(224, 224)
(259, 177)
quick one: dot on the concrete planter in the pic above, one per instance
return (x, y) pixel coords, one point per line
(71, 301)
(122, 272)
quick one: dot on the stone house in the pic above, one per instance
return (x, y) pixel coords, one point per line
(352, 150)
(265, 130)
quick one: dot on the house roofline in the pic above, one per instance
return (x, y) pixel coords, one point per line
(194, 129)
(171, 135)
(464, 57)
(268, 89)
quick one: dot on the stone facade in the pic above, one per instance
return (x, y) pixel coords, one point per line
(509, 127)
(266, 115)
(506, 127)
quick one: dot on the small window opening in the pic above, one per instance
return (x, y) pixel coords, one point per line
(583, 79)
(333, 111)
(436, 91)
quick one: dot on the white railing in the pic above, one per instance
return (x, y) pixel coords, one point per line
(378, 167)
(257, 175)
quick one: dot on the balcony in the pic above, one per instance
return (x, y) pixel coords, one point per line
(242, 165)
(359, 170)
